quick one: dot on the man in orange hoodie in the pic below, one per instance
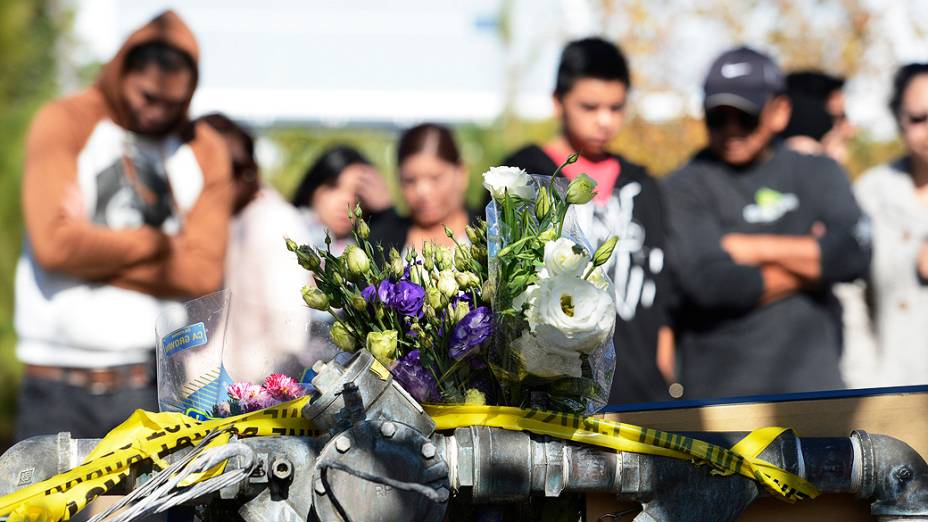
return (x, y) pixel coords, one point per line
(126, 207)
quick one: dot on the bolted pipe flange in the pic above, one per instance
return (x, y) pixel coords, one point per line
(392, 472)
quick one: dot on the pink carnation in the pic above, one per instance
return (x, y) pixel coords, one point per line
(283, 387)
(250, 397)
(243, 391)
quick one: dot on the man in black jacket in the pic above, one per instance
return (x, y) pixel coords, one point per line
(589, 99)
(758, 236)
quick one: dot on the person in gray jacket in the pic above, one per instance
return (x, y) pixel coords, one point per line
(758, 236)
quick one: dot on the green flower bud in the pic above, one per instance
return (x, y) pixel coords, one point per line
(461, 257)
(358, 302)
(382, 346)
(604, 252)
(581, 190)
(357, 210)
(548, 235)
(342, 337)
(429, 313)
(415, 274)
(315, 298)
(472, 234)
(448, 232)
(427, 249)
(542, 203)
(446, 284)
(378, 312)
(396, 264)
(467, 280)
(474, 397)
(364, 231)
(444, 258)
(357, 260)
(460, 310)
(433, 296)
(487, 292)
(307, 258)
(291, 244)
(337, 279)
(478, 252)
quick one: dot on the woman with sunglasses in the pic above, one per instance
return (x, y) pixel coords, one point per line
(896, 198)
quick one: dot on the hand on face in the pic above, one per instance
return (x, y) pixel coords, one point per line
(373, 193)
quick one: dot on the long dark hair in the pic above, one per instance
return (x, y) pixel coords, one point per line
(901, 81)
(325, 171)
(428, 137)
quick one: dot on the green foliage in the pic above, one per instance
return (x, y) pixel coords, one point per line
(29, 31)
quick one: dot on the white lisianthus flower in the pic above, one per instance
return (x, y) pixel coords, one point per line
(548, 363)
(498, 180)
(568, 313)
(564, 257)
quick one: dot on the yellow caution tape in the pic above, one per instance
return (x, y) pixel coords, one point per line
(742, 458)
(153, 436)
(143, 436)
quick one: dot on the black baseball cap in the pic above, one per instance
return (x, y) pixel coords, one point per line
(742, 78)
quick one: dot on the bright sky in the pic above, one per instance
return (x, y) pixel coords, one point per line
(390, 62)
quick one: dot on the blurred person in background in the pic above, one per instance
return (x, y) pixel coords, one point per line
(340, 179)
(758, 236)
(895, 196)
(818, 121)
(433, 182)
(818, 125)
(267, 317)
(126, 208)
(590, 95)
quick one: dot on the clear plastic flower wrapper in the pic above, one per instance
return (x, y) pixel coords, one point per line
(554, 304)
(222, 354)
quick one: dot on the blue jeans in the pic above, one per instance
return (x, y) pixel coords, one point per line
(48, 407)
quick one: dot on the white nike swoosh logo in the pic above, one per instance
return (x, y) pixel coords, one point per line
(734, 70)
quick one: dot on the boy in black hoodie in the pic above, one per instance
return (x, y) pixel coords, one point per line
(589, 99)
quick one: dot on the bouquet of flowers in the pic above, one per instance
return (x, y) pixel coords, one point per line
(423, 316)
(553, 302)
(519, 314)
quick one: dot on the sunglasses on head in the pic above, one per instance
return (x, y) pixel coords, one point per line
(914, 118)
(721, 117)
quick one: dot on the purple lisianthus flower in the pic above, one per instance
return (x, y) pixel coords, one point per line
(407, 298)
(415, 379)
(382, 292)
(470, 331)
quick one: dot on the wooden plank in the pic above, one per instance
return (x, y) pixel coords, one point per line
(901, 415)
